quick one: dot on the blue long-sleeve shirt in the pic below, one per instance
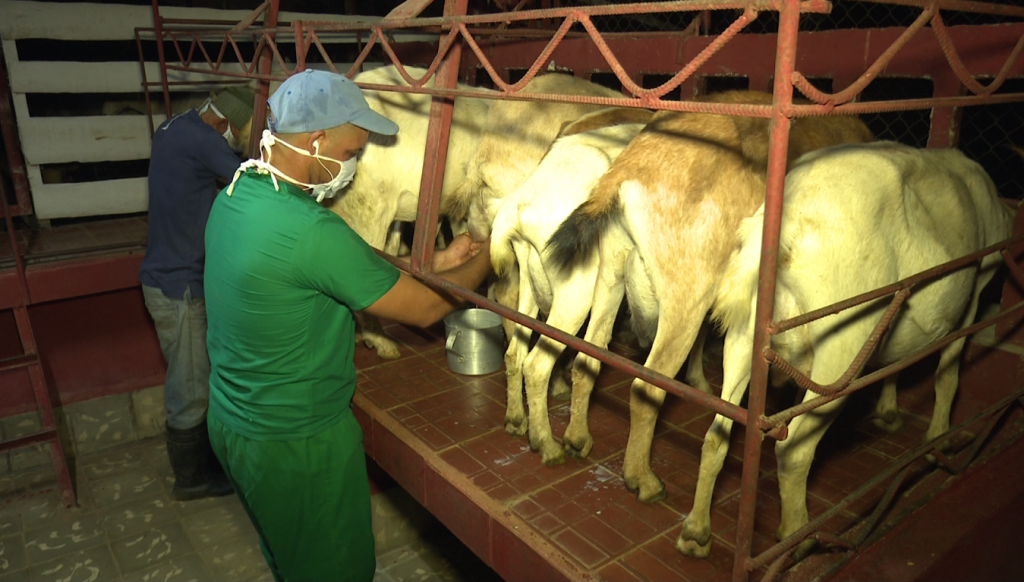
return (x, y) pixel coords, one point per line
(187, 158)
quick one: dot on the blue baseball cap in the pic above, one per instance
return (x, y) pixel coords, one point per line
(313, 100)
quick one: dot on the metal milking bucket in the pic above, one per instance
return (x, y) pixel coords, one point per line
(474, 341)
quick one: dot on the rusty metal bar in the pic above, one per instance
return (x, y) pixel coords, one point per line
(804, 407)
(259, 109)
(901, 464)
(858, 362)
(810, 6)
(158, 29)
(145, 83)
(1015, 271)
(957, 6)
(956, 264)
(37, 438)
(785, 60)
(22, 193)
(883, 59)
(684, 391)
(905, 105)
(955, 63)
(646, 95)
(438, 131)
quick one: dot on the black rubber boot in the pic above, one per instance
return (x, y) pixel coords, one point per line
(197, 473)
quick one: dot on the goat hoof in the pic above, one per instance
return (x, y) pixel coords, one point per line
(551, 454)
(890, 423)
(648, 488)
(387, 350)
(694, 539)
(692, 548)
(578, 448)
(517, 428)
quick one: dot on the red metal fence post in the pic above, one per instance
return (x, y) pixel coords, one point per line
(259, 109)
(22, 194)
(441, 109)
(785, 58)
(158, 24)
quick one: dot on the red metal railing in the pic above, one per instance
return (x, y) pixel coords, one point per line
(22, 194)
(455, 29)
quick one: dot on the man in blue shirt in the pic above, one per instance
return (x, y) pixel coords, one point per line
(191, 152)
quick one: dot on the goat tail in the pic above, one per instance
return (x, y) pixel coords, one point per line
(579, 234)
(503, 231)
(739, 284)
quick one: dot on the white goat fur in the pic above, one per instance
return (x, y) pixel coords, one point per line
(855, 218)
(521, 229)
(518, 135)
(679, 190)
(386, 186)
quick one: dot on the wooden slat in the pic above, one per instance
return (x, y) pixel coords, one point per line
(90, 198)
(69, 77)
(108, 138)
(85, 21)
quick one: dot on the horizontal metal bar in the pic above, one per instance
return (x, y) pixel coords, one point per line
(804, 407)
(957, 6)
(779, 327)
(798, 536)
(616, 361)
(903, 105)
(29, 440)
(18, 362)
(856, 366)
(812, 6)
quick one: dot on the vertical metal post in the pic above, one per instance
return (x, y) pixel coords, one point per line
(300, 47)
(158, 25)
(22, 193)
(28, 342)
(441, 108)
(259, 109)
(945, 127)
(785, 58)
(145, 84)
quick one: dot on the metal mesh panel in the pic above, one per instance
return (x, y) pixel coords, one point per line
(909, 127)
(986, 134)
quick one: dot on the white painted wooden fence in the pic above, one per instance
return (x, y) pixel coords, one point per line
(87, 139)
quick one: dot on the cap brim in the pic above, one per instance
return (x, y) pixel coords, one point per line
(370, 120)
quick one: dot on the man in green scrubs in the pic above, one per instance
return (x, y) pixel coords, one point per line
(283, 276)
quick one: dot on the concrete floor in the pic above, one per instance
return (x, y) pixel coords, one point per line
(128, 528)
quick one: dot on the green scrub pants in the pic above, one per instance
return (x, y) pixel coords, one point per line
(309, 500)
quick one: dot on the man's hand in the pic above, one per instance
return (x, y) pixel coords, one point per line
(461, 250)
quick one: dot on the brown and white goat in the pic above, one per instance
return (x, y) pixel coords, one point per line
(679, 191)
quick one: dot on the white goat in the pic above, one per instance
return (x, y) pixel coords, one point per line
(855, 218)
(679, 190)
(386, 186)
(518, 135)
(521, 229)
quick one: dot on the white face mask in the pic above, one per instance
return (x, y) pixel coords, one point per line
(233, 142)
(319, 191)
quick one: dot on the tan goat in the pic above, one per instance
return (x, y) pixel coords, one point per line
(679, 190)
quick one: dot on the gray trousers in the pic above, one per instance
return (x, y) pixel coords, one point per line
(181, 328)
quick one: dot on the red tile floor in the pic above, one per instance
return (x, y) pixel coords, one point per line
(441, 436)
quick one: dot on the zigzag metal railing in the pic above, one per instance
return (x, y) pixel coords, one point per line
(454, 30)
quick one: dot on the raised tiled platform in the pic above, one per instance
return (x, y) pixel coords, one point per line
(441, 436)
